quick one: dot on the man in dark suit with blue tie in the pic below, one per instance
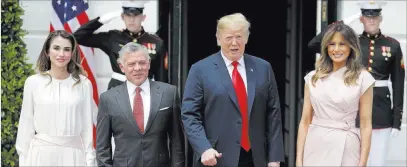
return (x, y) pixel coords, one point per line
(230, 108)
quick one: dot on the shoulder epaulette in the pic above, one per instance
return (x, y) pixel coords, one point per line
(391, 39)
(155, 36)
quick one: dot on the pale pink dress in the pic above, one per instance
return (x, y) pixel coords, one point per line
(332, 138)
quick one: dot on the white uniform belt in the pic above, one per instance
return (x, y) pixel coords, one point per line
(65, 141)
(119, 77)
(381, 83)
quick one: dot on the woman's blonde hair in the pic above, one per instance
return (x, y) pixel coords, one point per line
(324, 64)
(74, 66)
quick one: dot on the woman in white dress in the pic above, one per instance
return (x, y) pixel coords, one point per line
(55, 127)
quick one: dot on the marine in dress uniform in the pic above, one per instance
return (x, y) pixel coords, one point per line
(383, 58)
(111, 42)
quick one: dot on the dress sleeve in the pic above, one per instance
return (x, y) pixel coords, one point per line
(87, 123)
(26, 129)
(366, 81)
(308, 77)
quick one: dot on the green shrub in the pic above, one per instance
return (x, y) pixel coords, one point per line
(14, 72)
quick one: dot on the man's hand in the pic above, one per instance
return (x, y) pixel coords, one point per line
(352, 18)
(106, 18)
(394, 132)
(273, 164)
(208, 158)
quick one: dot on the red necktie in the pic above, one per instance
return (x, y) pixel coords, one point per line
(138, 112)
(242, 100)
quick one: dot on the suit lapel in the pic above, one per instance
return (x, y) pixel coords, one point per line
(156, 96)
(251, 81)
(225, 77)
(123, 100)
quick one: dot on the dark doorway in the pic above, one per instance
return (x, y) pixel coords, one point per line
(267, 38)
(267, 33)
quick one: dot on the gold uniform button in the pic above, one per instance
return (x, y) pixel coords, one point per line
(371, 61)
(371, 48)
(371, 53)
(372, 41)
(370, 68)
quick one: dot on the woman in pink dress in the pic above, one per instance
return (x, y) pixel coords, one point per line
(334, 93)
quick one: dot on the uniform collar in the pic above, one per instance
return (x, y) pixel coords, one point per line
(372, 37)
(135, 35)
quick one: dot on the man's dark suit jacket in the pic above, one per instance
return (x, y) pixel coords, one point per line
(133, 148)
(211, 117)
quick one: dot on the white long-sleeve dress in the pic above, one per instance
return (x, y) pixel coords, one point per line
(55, 127)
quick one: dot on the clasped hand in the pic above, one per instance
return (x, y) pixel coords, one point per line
(208, 158)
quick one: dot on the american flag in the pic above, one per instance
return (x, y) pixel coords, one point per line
(69, 15)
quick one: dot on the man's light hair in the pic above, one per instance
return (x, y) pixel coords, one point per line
(236, 21)
(130, 48)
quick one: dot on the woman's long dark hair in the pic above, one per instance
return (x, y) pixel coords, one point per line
(74, 67)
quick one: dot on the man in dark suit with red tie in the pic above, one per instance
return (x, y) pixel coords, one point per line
(230, 108)
(142, 115)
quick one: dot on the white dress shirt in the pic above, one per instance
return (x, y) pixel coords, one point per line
(240, 68)
(145, 95)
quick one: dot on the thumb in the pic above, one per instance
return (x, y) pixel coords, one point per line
(218, 155)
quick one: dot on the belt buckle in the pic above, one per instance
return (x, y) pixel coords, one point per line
(348, 127)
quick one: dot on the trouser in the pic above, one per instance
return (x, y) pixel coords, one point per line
(379, 147)
(245, 158)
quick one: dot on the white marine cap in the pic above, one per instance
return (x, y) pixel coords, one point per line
(133, 6)
(372, 4)
(371, 7)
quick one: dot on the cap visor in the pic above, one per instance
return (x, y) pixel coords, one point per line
(131, 12)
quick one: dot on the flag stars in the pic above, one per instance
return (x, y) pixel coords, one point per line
(69, 9)
(73, 8)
